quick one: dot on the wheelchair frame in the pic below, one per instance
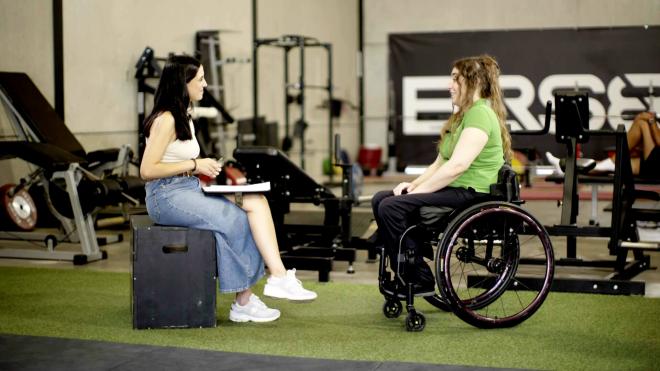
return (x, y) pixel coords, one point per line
(484, 239)
(470, 238)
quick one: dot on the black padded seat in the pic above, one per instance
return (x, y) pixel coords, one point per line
(602, 179)
(51, 158)
(102, 156)
(506, 189)
(46, 124)
(432, 215)
(38, 113)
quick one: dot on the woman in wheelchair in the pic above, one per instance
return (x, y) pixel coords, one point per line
(474, 143)
(465, 205)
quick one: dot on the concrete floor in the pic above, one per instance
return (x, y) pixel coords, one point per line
(366, 272)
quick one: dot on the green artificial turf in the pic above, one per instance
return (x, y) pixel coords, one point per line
(570, 331)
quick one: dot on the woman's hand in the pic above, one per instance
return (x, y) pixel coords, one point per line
(403, 188)
(208, 166)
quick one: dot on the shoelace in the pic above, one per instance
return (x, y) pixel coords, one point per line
(292, 277)
(255, 299)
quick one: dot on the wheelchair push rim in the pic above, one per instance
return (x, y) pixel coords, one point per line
(479, 265)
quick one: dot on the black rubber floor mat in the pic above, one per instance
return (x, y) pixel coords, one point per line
(47, 353)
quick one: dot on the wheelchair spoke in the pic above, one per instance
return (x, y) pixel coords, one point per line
(485, 265)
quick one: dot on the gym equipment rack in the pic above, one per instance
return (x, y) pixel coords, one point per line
(288, 43)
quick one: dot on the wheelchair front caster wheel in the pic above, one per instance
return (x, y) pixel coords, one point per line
(415, 321)
(392, 308)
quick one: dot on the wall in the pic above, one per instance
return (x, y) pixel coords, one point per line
(333, 22)
(391, 16)
(25, 45)
(103, 40)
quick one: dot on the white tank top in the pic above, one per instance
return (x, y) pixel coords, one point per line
(181, 150)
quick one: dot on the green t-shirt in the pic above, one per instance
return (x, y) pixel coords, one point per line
(483, 170)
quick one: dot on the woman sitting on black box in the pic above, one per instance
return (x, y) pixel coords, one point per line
(245, 236)
(473, 146)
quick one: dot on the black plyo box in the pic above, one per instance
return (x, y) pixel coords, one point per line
(173, 276)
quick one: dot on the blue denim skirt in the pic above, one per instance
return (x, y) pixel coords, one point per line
(180, 201)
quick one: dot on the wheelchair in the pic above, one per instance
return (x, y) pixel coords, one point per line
(494, 261)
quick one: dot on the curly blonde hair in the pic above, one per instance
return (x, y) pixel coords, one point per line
(481, 72)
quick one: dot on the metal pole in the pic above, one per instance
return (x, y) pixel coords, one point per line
(286, 94)
(360, 69)
(328, 48)
(58, 57)
(301, 81)
(255, 85)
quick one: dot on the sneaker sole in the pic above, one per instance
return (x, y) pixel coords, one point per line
(278, 295)
(246, 318)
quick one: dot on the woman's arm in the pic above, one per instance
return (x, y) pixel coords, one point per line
(429, 171)
(407, 187)
(470, 144)
(162, 134)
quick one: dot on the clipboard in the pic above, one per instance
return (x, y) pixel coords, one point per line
(243, 188)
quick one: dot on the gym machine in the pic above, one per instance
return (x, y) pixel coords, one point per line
(208, 52)
(74, 183)
(288, 43)
(572, 128)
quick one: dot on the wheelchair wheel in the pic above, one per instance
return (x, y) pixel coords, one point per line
(438, 302)
(415, 321)
(392, 308)
(479, 265)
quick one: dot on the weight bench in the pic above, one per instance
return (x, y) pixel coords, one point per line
(75, 183)
(595, 181)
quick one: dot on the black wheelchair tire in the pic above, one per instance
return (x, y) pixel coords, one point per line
(468, 310)
(439, 302)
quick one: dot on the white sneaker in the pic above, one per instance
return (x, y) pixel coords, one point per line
(255, 310)
(287, 287)
(554, 161)
(605, 166)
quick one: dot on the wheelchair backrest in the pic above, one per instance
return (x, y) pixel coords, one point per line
(507, 187)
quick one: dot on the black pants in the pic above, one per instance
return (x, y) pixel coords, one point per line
(648, 167)
(395, 214)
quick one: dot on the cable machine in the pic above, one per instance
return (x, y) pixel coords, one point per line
(208, 51)
(288, 43)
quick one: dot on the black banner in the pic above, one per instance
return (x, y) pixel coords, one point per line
(619, 68)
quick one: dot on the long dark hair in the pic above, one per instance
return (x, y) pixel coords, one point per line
(172, 94)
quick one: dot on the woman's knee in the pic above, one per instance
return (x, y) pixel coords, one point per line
(378, 198)
(388, 207)
(253, 201)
